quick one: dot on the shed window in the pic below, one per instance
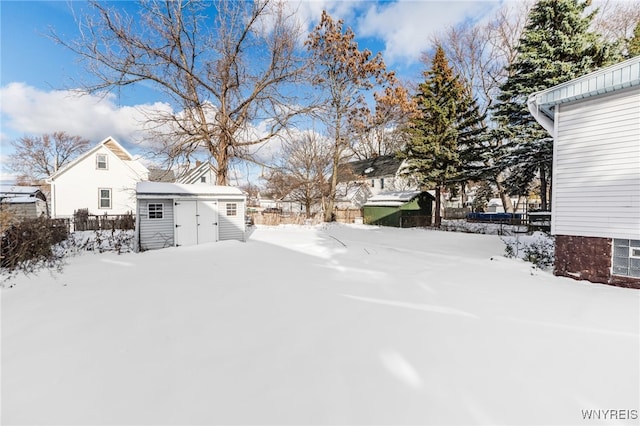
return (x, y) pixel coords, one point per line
(156, 210)
(101, 161)
(104, 198)
(626, 257)
(232, 209)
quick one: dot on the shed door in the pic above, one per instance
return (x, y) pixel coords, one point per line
(207, 222)
(196, 222)
(186, 223)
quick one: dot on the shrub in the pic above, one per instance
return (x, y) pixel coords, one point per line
(28, 245)
(538, 249)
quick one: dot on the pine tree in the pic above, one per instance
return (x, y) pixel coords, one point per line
(556, 46)
(634, 43)
(432, 151)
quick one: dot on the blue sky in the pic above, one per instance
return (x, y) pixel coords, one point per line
(36, 74)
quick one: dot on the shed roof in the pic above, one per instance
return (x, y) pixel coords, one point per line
(384, 165)
(162, 188)
(392, 199)
(616, 77)
(20, 194)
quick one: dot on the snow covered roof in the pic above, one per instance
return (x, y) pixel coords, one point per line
(616, 77)
(21, 199)
(20, 194)
(392, 199)
(17, 189)
(181, 189)
(381, 166)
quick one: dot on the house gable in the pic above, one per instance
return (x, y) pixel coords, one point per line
(202, 173)
(102, 180)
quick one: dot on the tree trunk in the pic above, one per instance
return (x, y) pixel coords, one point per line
(506, 201)
(222, 160)
(438, 217)
(543, 189)
(328, 212)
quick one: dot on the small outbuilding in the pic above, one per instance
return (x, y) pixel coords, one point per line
(171, 214)
(402, 209)
(24, 202)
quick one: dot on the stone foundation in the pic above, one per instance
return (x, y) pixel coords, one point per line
(588, 258)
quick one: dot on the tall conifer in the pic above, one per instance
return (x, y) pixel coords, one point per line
(556, 46)
(432, 151)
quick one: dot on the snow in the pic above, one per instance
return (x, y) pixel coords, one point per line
(344, 324)
(181, 189)
(392, 199)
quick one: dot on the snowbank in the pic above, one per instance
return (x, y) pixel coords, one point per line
(317, 325)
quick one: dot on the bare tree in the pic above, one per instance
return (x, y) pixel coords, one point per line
(226, 67)
(343, 74)
(382, 131)
(38, 157)
(616, 22)
(302, 174)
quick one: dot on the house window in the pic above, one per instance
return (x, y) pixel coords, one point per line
(381, 183)
(156, 210)
(232, 209)
(373, 183)
(104, 196)
(203, 179)
(626, 257)
(101, 161)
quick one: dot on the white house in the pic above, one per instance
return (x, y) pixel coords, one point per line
(171, 214)
(595, 124)
(102, 180)
(202, 173)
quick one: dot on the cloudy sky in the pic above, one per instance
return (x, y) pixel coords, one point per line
(37, 76)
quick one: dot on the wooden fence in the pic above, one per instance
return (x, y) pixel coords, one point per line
(82, 221)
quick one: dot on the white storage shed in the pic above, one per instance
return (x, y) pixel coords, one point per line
(170, 214)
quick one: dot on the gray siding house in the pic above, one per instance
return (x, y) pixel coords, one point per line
(595, 124)
(170, 214)
(24, 202)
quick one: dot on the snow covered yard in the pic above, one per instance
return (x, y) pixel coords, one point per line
(317, 325)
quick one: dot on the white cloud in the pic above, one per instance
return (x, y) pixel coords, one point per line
(406, 27)
(27, 110)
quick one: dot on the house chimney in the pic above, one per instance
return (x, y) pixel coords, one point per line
(198, 163)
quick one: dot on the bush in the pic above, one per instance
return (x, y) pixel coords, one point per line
(28, 245)
(538, 249)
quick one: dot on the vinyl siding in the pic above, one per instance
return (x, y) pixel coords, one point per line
(230, 227)
(596, 184)
(156, 233)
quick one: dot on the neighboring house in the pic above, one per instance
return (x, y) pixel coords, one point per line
(403, 209)
(171, 214)
(202, 173)
(595, 124)
(380, 173)
(361, 179)
(24, 202)
(161, 175)
(102, 180)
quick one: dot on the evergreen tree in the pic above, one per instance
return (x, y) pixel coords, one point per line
(473, 136)
(556, 46)
(634, 43)
(432, 151)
